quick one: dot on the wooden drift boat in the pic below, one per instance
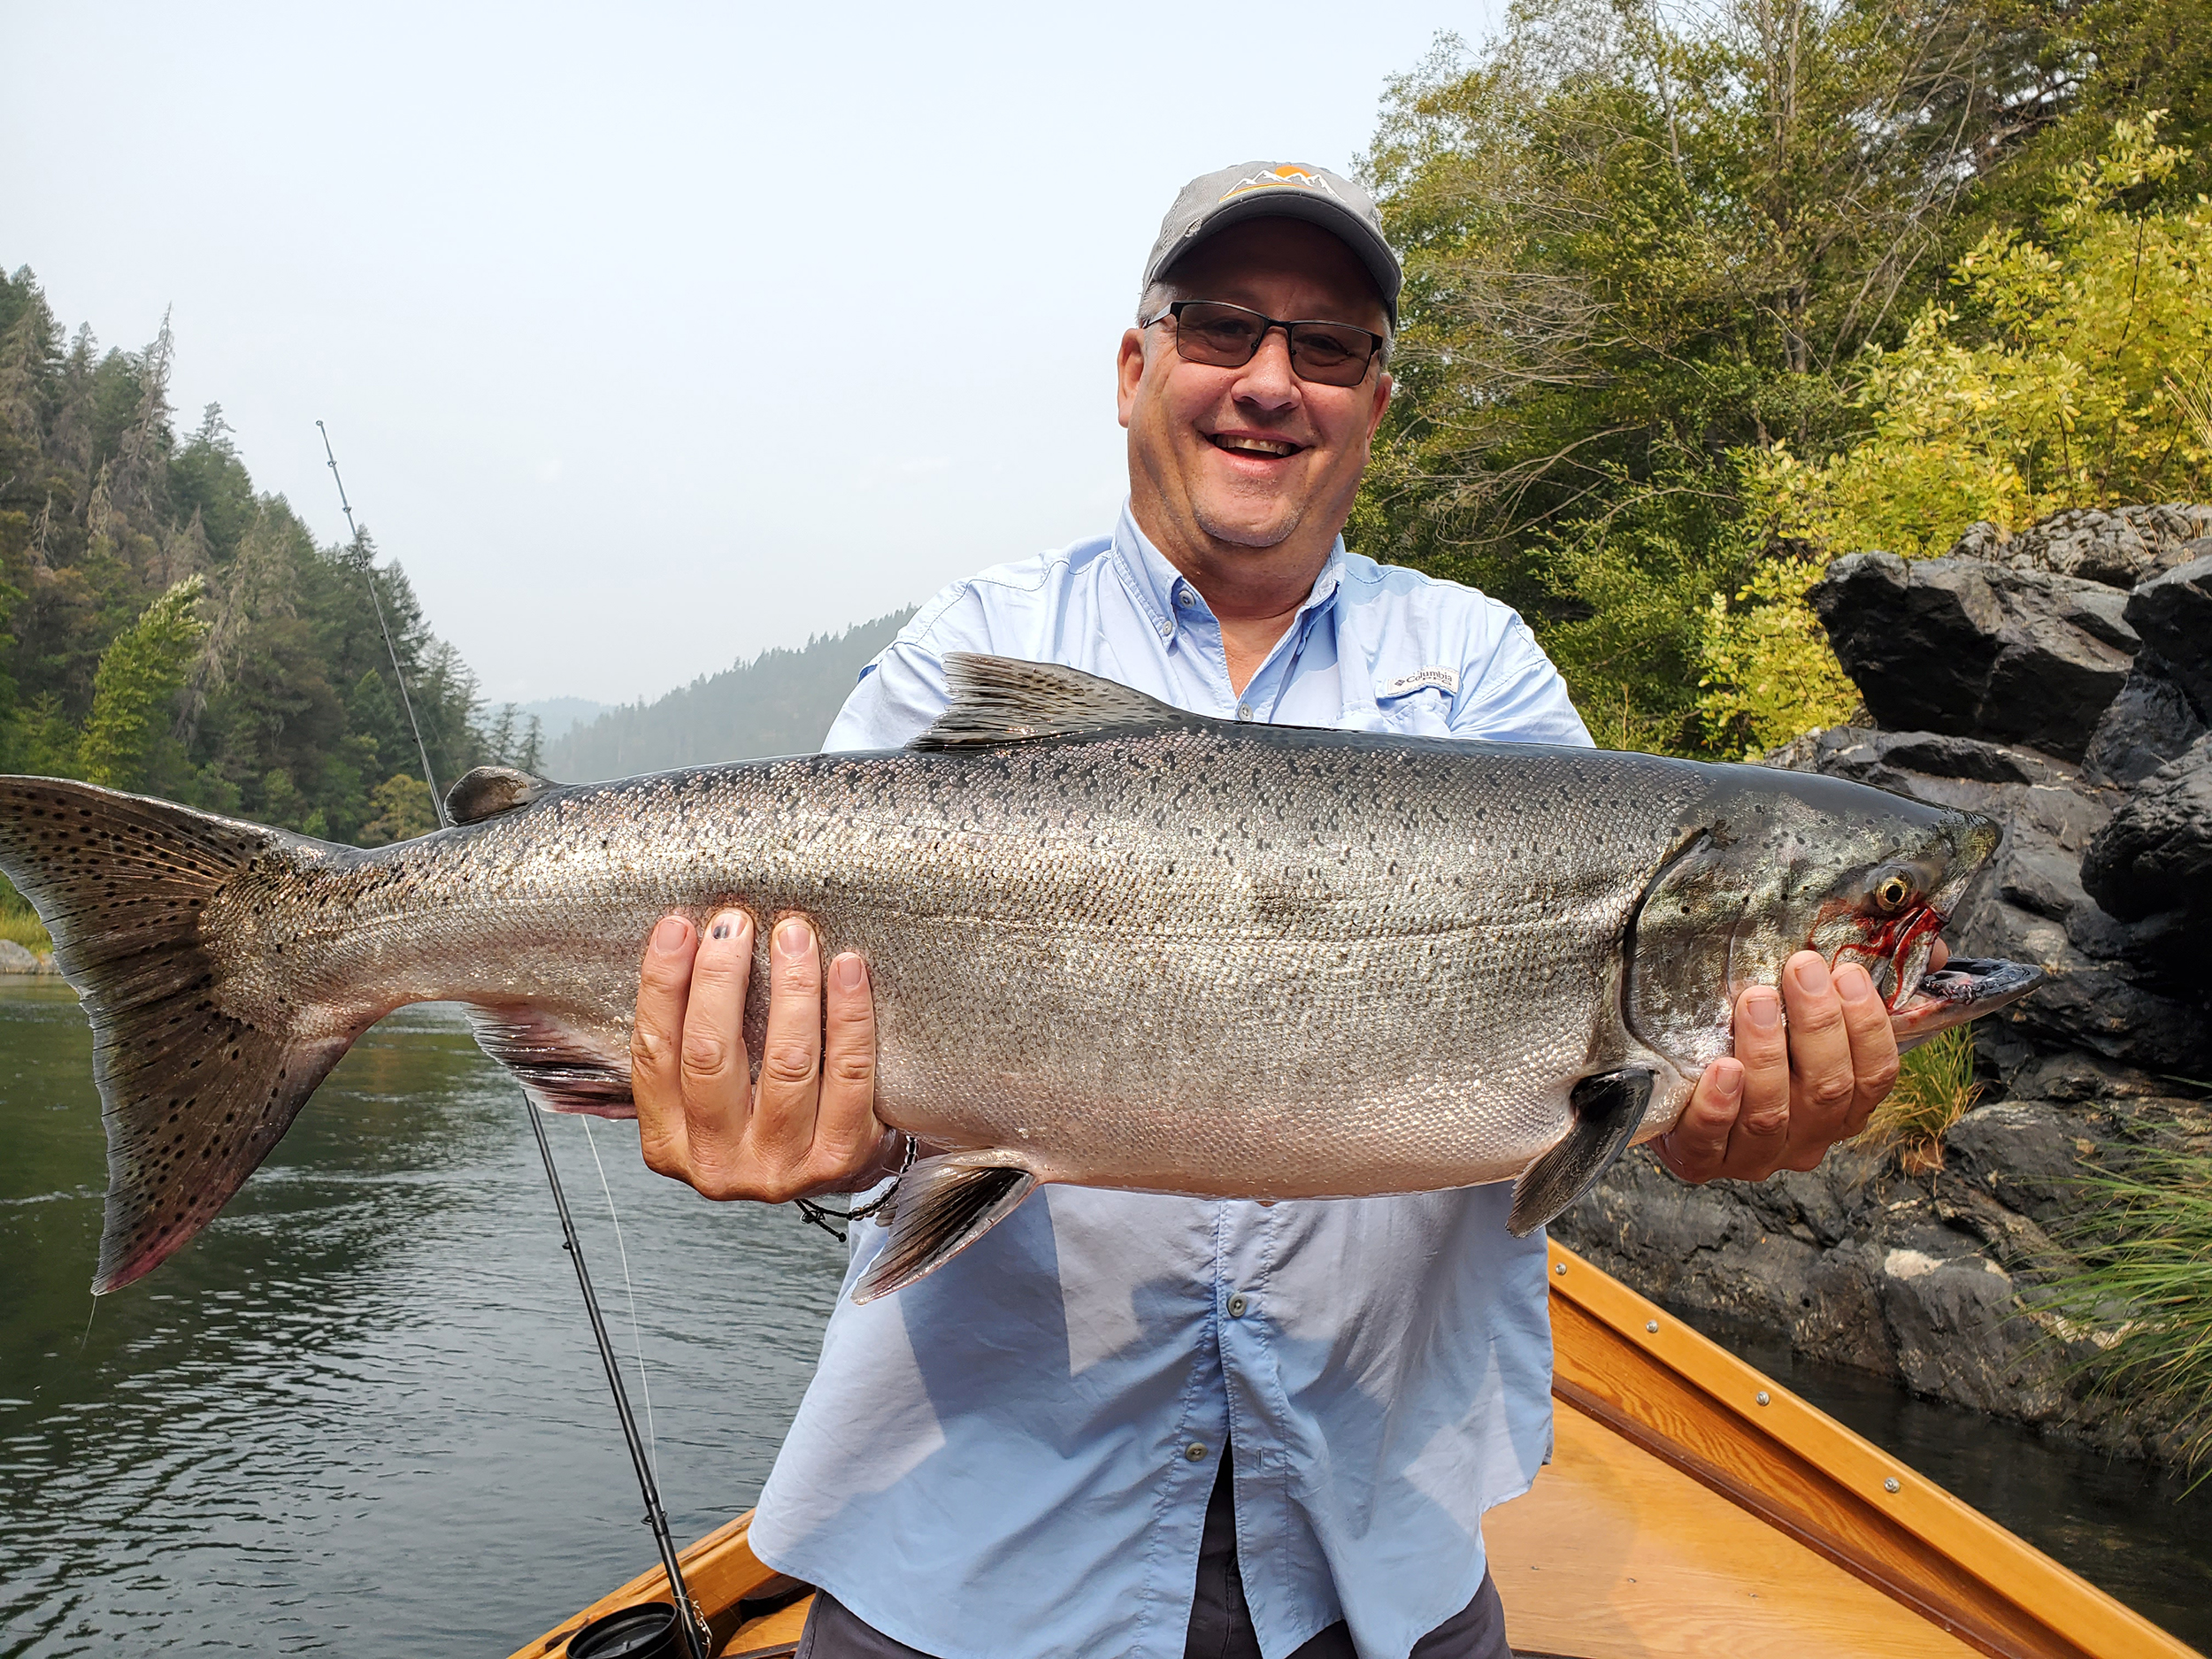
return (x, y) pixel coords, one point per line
(1691, 1507)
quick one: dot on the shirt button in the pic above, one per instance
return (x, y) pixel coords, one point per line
(1185, 598)
(1195, 1451)
(1237, 1305)
(1244, 711)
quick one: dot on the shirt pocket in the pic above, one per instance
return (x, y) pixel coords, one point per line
(1419, 704)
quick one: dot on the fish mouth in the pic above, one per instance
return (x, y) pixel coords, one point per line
(1895, 956)
(1964, 988)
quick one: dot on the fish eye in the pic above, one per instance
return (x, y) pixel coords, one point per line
(1891, 892)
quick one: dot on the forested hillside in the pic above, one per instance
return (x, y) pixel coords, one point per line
(166, 628)
(1692, 291)
(781, 702)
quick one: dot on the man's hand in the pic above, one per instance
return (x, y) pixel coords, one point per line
(810, 1125)
(1792, 1092)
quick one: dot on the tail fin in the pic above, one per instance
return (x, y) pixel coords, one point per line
(195, 1092)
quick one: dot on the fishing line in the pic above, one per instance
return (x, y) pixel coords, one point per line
(652, 1440)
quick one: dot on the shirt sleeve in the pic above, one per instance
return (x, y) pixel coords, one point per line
(903, 690)
(1519, 697)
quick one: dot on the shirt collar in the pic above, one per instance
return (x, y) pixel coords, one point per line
(1152, 582)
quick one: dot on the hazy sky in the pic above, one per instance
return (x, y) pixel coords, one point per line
(651, 336)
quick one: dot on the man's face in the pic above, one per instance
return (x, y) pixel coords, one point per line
(1252, 458)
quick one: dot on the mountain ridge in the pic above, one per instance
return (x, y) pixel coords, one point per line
(779, 702)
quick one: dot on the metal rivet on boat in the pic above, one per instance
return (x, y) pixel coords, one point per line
(1196, 1452)
(1237, 1305)
(1763, 1398)
(1651, 1324)
(1890, 1484)
(1561, 1268)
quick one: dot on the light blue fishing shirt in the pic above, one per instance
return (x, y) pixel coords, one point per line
(1011, 1459)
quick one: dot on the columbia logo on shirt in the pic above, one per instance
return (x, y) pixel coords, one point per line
(1445, 680)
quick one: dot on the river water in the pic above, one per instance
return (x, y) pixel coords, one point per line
(363, 1410)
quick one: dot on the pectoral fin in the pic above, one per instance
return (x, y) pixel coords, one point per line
(944, 1205)
(1607, 1109)
(563, 1066)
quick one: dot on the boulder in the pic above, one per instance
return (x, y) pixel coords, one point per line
(1970, 649)
(2172, 613)
(2153, 856)
(2151, 722)
(2025, 1153)
(2117, 546)
(16, 959)
(1961, 771)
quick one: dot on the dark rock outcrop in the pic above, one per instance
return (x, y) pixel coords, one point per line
(2117, 546)
(2151, 722)
(2153, 856)
(2172, 613)
(1973, 649)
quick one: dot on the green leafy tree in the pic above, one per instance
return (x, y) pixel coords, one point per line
(1638, 242)
(134, 690)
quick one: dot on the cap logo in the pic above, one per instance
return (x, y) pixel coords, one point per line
(1275, 178)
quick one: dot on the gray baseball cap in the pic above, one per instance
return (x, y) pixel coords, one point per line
(1271, 189)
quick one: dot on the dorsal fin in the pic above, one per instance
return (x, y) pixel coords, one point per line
(490, 790)
(1000, 699)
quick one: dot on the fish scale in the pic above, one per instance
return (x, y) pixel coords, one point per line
(1110, 943)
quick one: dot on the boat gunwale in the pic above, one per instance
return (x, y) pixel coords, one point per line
(1842, 1506)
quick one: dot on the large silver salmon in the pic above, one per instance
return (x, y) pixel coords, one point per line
(1113, 944)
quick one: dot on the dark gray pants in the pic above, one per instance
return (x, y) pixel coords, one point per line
(1220, 1622)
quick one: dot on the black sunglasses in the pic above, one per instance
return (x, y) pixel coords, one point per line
(1225, 336)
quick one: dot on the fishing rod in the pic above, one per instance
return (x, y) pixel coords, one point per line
(689, 1619)
(437, 801)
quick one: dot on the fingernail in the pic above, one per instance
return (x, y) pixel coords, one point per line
(668, 935)
(793, 937)
(1812, 977)
(1728, 1078)
(729, 924)
(1762, 1009)
(1854, 983)
(850, 972)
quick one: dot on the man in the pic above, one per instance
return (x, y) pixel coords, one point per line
(1130, 1424)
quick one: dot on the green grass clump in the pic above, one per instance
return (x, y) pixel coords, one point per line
(18, 922)
(2146, 1289)
(1936, 1087)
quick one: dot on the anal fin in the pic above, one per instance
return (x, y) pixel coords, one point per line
(564, 1067)
(1607, 1109)
(944, 1205)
